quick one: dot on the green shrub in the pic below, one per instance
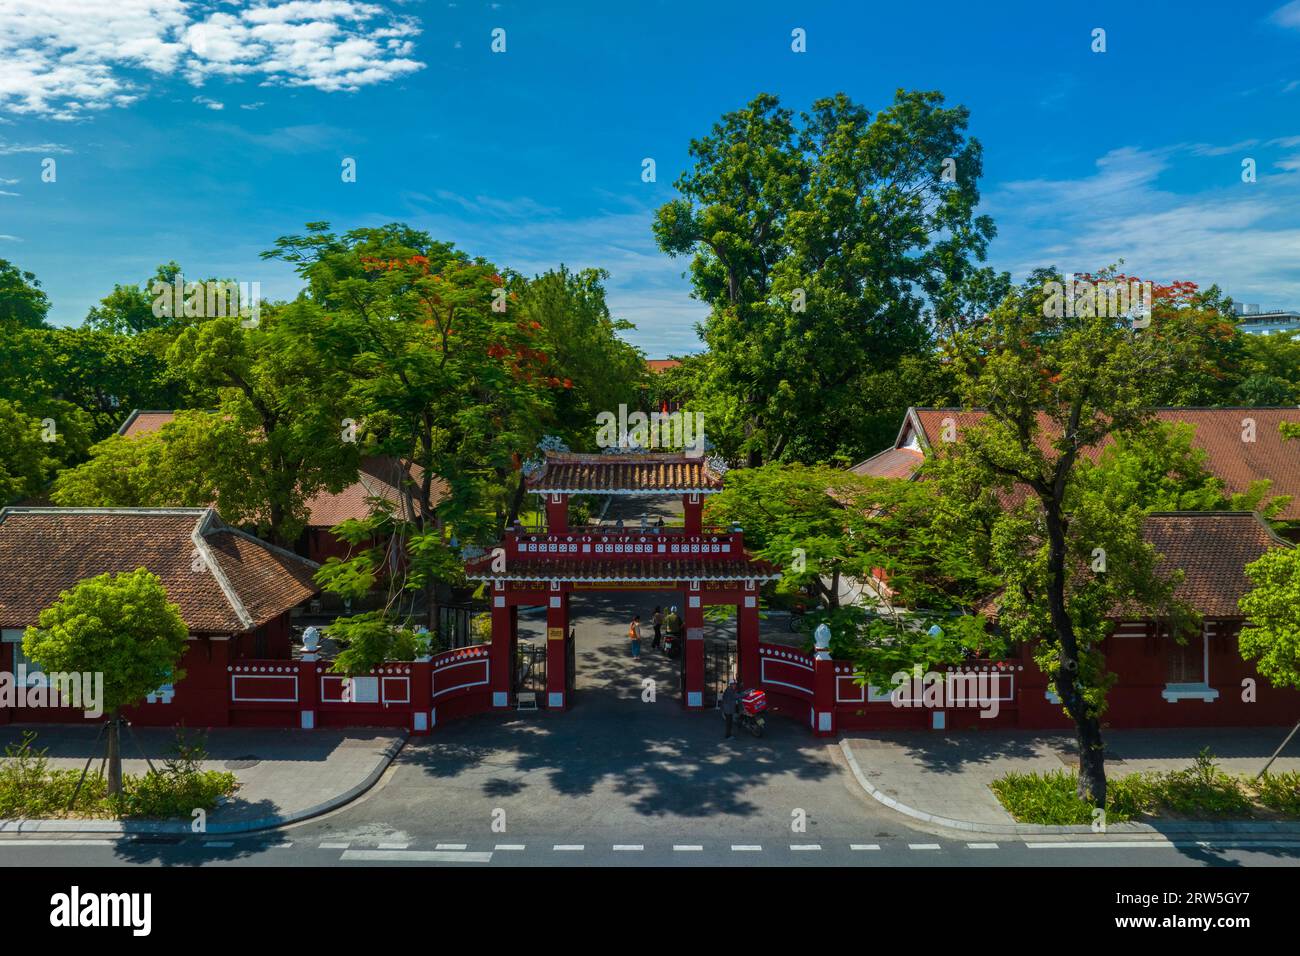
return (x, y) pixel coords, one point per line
(1049, 798)
(29, 789)
(1201, 790)
(1280, 791)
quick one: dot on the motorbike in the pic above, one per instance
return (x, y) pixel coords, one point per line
(672, 644)
(750, 713)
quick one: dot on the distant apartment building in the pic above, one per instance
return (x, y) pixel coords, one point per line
(1257, 321)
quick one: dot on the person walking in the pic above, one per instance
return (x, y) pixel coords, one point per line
(673, 624)
(730, 700)
(634, 634)
(658, 621)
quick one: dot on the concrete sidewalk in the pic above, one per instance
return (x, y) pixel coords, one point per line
(284, 775)
(944, 778)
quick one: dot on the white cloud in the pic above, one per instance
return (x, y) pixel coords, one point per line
(9, 149)
(1241, 236)
(209, 103)
(63, 59)
(1287, 15)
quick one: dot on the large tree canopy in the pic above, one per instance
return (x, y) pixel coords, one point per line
(23, 304)
(825, 247)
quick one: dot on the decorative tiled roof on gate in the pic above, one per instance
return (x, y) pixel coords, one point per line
(624, 474)
(224, 581)
(634, 569)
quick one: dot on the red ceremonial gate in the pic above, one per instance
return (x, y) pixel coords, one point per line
(706, 566)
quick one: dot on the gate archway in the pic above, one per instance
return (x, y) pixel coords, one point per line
(707, 566)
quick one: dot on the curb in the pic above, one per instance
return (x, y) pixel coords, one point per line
(1042, 829)
(123, 827)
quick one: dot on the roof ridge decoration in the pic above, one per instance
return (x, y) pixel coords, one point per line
(203, 527)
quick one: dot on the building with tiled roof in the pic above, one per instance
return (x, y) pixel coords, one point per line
(380, 479)
(225, 581)
(662, 365)
(1221, 432)
(235, 593)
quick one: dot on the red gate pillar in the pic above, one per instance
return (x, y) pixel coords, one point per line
(421, 693)
(501, 655)
(823, 688)
(693, 653)
(309, 667)
(557, 658)
(747, 641)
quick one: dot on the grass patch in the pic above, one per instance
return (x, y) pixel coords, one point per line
(1202, 791)
(30, 789)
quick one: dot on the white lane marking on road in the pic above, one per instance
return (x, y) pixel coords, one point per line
(512, 847)
(864, 846)
(335, 846)
(1103, 844)
(569, 847)
(452, 846)
(281, 846)
(687, 848)
(629, 847)
(982, 846)
(746, 848)
(805, 846)
(217, 844)
(395, 846)
(22, 842)
(923, 846)
(414, 856)
(1173, 844)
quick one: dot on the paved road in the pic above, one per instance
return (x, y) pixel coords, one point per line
(624, 781)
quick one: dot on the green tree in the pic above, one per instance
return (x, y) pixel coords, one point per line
(120, 625)
(817, 244)
(1053, 386)
(1271, 634)
(26, 459)
(129, 309)
(23, 304)
(838, 536)
(280, 432)
(1160, 468)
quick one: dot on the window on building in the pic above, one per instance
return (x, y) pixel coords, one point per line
(1185, 663)
(13, 637)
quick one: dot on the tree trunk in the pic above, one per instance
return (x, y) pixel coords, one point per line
(516, 502)
(114, 754)
(1092, 762)
(1092, 756)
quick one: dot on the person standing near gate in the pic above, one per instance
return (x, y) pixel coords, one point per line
(658, 621)
(730, 699)
(634, 634)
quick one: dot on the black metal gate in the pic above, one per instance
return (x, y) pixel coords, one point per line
(530, 669)
(570, 665)
(719, 666)
(454, 625)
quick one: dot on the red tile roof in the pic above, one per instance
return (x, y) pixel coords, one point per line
(891, 463)
(142, 422)
(623, 569)
(1217, 430)
(223, 580)
(661, 365)
(625, 474)
(1211, 548)
(382, 477)
(379, 477)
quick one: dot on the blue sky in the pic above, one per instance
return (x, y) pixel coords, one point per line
(201, 131)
